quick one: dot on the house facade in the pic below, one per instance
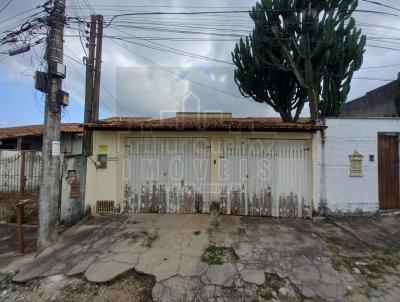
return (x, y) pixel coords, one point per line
(30, 138)
(247, 166)
(21, 167)
(186, 164)
(358, 166)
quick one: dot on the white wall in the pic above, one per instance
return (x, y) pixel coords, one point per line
(341, 193)
(108, 184)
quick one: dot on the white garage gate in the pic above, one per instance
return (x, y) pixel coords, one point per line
(257, 177)
(167, 175)
(264, 177)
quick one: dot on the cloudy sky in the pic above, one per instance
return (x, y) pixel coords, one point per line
(156, 65)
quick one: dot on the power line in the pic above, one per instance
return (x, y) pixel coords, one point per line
(179, 75)
(178, 51)
(113, 17)
(382, 47)
(5, 6)
(381, 4)
(383, 66)
(373, 79)
(76, 60)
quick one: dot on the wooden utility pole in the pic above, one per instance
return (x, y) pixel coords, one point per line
(90, 70)
(50, 184)
(87, 135)
(93, 79)
(97, 75)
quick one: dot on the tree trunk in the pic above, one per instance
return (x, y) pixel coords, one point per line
(313, 105)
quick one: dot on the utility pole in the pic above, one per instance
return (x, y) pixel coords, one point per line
(50, 184)
(93, 79)
(97, 75)
(87, 136)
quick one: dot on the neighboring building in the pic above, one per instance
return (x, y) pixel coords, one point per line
(376, 103)
(250, 166)
(30, 138)
(21, 165)
(359, 166)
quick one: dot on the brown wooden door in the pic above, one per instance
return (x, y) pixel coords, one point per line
(388, 172)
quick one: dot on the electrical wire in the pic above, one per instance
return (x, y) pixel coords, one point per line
(179, 75)
(381, 4)
(5, 6)
(76, 60)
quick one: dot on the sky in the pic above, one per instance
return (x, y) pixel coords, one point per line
(140, 80)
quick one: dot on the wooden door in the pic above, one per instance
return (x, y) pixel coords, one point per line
(388, 171)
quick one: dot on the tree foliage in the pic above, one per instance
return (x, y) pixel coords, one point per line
(299, 51)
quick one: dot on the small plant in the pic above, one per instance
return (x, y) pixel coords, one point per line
(215, 208)
(197, 233)
(266, 294)
(5, 281)
(216, 255)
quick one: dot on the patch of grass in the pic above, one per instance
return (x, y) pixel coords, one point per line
(265, 294)
(5, 281)
(197, 233)
(217, 255)
(371, 267)
(333, 240)
(337, 264)
(374, 267)
(388, 257)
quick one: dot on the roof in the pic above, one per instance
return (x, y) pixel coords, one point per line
(376, 103)
(203, 123)
(35, 130)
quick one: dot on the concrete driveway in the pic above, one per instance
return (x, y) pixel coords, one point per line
(227, 258)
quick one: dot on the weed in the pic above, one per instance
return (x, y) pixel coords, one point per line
(216, 255)
(266, 294)
(337, 264)
(333, 240)
(5, 281)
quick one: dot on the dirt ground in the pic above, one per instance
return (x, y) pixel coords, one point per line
(129, 287)
(9, 238)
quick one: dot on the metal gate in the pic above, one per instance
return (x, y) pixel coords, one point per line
(264, 177)
(20, 173)
(167, 175)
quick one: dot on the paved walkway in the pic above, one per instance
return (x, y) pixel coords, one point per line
(262, 258)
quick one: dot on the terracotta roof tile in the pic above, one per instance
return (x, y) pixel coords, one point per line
(202, 123)
(35, 130)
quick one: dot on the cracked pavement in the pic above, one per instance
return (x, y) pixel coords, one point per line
(278, 259)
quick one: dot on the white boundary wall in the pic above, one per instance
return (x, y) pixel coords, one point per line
(340, 194)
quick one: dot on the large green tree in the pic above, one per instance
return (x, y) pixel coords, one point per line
(300, 50)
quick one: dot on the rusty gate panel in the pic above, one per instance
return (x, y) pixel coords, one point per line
(167, 175)
(264, 177)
